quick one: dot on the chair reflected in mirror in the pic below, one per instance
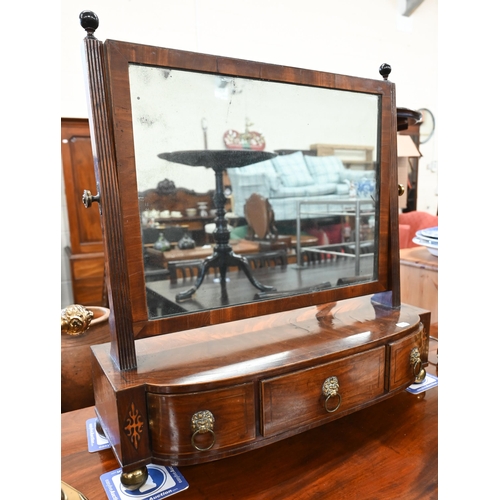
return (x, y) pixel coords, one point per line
(260, 217)
(184, 269)
(273, 258)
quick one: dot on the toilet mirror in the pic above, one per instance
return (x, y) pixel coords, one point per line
(195, 136)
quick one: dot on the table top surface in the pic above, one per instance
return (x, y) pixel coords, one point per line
(418, 256)
(217, 159)
(388, 450)
(242, 246)
(239, 247)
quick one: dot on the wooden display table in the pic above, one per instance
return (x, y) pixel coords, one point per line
(163, 258)
(242, 246)
(419, 279)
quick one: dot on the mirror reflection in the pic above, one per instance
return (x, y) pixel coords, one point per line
(251, 190)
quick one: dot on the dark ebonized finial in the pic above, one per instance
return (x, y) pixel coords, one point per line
(89, 22)
(385, 70)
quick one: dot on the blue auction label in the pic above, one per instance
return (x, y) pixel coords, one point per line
(95, 441)
(429, 382)
(162, 482)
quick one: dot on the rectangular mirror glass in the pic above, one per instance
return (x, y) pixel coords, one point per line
(247, 191)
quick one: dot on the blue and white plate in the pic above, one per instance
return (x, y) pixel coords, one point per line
(431, 245)
(430, 232)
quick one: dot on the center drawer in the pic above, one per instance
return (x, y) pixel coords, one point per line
(297, 400)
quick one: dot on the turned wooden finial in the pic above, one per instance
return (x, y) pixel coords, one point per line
(89, 22)
(385, 70)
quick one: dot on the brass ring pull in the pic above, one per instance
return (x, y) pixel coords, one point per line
(202, 422)
(330, 389)
(338, 403)
(416, 363)
(199, 448)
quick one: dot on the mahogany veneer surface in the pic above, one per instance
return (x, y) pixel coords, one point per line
(276, 365)
(386, 451)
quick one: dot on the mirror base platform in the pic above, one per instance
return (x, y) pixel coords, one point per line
(205, 394)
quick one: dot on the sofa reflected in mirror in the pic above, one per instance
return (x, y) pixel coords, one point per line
(297, 176)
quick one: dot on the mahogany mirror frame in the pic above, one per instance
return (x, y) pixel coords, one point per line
(107, 67)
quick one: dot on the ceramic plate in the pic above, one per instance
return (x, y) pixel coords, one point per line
(430, 232)
(431, 245)
(425, 241)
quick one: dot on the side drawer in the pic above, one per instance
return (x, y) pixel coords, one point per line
(400, 368)
(170, 420)
(296, 400)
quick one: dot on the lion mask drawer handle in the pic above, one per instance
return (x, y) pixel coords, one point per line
(202, 422)
(416, 363)
(331, 389)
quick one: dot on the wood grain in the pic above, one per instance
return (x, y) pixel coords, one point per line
(115, 73)
(85, 251)
(282, 360)
(387, 451)
(419, 279)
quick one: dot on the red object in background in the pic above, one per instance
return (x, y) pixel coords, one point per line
(410, 223)
(327, 235)
(334, 233)
(320, 234)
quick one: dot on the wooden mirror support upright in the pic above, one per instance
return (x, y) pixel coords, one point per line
(205, 377)
(123, 350)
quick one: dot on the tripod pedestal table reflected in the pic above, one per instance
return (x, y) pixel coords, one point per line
(223, 256)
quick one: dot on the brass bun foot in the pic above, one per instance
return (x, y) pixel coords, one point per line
(135, 479)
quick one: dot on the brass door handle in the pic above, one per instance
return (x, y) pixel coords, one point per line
(331, 389)
(88, 198)
(401, 190)
(416, 363)
(201, 423)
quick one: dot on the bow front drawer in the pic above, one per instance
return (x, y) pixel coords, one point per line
(200, 423)
(312, 396)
